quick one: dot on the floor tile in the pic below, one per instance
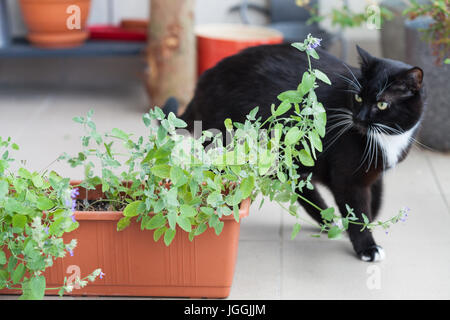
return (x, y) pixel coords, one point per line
(258, 271)
(262, 224)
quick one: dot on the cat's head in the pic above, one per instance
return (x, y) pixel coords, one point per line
(387, 94)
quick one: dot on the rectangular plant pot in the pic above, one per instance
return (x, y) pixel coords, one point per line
(135, 265)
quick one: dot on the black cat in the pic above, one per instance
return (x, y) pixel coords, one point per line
(373, 113)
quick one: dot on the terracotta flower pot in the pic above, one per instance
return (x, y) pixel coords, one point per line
(135, 265)
(218, 41)
(49, 22)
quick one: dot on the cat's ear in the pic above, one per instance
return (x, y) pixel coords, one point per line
(366, 58)
(413, 78)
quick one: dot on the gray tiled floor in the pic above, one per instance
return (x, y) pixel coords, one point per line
(270, 265)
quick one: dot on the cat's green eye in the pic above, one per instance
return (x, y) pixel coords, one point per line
(382, 105)
(358, 98)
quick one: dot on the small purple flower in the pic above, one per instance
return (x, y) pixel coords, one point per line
(101, 275)
(73, 219)
(74, 193)
(404, 214)
(314, 44)
(71, 253)
(46, 230)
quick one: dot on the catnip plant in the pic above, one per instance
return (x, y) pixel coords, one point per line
(170, 178)
(35, 212)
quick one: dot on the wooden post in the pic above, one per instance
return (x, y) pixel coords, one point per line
(172, 52)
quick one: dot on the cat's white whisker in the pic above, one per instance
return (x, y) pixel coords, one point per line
(349, 81)
(353, 75)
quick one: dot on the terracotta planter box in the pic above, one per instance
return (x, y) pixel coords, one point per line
(135, 265)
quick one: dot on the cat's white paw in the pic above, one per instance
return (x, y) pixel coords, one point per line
(373, 254)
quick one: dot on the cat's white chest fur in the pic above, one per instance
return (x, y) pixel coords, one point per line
(394, 145)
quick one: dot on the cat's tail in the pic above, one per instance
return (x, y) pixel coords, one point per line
(172, 105)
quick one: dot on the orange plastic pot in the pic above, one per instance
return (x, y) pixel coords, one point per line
(135, 265)
(53, 23)
(218, 41)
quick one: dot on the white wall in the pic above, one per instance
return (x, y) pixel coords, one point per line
(207, 11)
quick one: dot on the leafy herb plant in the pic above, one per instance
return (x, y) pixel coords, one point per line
(35, 212)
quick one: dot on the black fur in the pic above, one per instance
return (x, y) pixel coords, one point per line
(257, 75)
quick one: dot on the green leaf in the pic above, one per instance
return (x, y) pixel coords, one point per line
(19, 221)
(78, 119)
(247, 185)
(219, 227)
(236, 212)
(322, 76)
(4, 188)
(366, 220)
(305, 158)
(299, 45)
(188, 211)
(253, 113)
(37, 181)
(168, 236)
(207, 211)
(123, 223)
(214, 199)
(158, 233)
(307, 83)
(37, 286)
(313, 53)
(133, 209)
(281, 176)
(44, 203)
(161, 170)
(119, 134)
(24, 173)
(295, 230)
(172, 219)
(2, 258)
(228, 124)
(147, 119)
(18, 273)
(200, 229)
(293, 136)
(284, 107)
(327, 214)
(334, 232)
(173, 120)
(177, 176)
(156, 222)
(292, 96)
(184, 223)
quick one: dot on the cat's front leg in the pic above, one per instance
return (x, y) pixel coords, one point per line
(358, 198)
